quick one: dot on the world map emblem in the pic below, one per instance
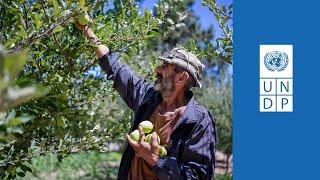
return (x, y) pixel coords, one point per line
(276, 61)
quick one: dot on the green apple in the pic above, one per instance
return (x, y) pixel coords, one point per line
(61, 122)
(162, 151)
(84, 19)
(147, 126)
(135, 135)
(148, 139)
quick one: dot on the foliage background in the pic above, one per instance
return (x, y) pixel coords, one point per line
(56, 103)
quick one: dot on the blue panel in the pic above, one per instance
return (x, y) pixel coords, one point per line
(276, 145)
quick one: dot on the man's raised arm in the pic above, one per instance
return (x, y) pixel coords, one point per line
(130, 87)
(101, 50)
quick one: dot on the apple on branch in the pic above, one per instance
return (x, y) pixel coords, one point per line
(84, 19)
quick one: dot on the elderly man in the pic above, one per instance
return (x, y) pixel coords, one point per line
(185, 127)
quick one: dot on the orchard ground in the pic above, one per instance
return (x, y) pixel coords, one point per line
(86, 165)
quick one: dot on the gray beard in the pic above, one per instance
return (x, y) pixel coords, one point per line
(165, 86)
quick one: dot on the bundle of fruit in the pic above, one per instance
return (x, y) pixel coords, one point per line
(147, 128)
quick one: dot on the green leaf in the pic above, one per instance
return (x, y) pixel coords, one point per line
(58, 29)
(21, 174)
(60, 122)
(22, 31)
(223, 9)
(82, 3)
(37, 20)
(55, 6)
(151, 33)
(26, 168)
(170, 21)
(60, 157)
(20, 120)
(147, 14)
(10, 43)
(41, 52)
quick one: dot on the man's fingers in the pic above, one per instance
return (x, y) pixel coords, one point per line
(131, 142)
(154, 143)
(142, 136)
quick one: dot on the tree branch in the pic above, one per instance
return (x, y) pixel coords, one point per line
(26, 42)
(90, 101)
(225, 33)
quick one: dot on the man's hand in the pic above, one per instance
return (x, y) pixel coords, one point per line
(87, 31)
(102, 49)
(148, 152)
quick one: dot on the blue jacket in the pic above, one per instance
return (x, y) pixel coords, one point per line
(192, 142)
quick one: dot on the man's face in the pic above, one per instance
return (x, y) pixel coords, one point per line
(165, 78)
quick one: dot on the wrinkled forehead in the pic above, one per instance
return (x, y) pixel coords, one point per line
(164, 63)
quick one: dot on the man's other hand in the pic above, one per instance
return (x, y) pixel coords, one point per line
(148, 152)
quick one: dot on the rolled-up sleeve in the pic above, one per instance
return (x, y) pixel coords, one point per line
(198, 158)
(130, 87)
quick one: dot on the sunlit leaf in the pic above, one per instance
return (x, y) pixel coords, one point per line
(19, 120)
(38, 21)
(82, 3)
(58, 29)
(55, 6)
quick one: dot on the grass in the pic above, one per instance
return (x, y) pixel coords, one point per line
(90, 165)
(223, 177)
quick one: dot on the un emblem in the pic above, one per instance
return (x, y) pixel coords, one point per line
(276, 61)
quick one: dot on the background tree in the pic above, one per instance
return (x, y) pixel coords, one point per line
(81, 111)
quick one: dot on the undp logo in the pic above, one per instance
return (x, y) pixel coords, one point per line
(276, 78)
(276, 61)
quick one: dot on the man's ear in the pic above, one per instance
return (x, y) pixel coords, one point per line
(182, 78)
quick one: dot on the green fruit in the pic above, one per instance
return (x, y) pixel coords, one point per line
(147, 126)
(101, 46)
(84, 19)
(162, 151)
(60, 122)
(148, 139)
(135, 135)
(11, 169)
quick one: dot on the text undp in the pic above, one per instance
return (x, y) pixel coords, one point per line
(276, 95)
